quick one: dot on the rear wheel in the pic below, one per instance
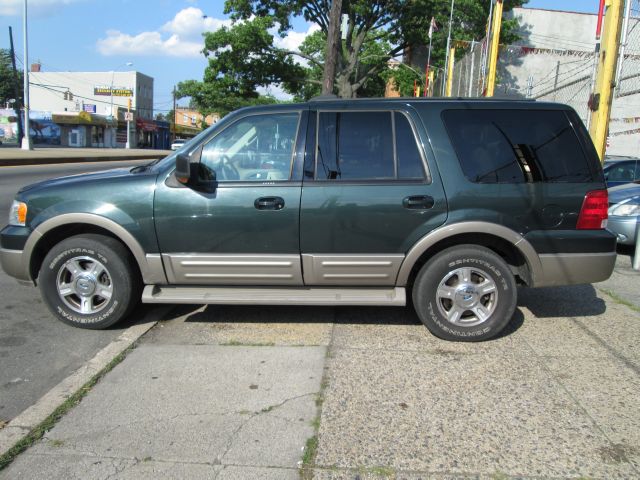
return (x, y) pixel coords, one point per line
(89, 281)
(465, 293)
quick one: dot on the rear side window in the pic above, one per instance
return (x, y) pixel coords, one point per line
(360, 146)
(517, 146)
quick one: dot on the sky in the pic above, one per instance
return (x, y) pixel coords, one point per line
(162, 38)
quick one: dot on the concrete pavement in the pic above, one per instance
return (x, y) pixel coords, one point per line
(208, 396)
(53, 155)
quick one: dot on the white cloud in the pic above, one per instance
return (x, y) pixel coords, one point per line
(191, 22)
(293, 40)
(179, 37)
(276, 91)
(182, 37)
(147, 43)
(35, 7)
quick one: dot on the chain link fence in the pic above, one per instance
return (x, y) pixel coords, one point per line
(629, 62)
(569, 81)
(468, 71)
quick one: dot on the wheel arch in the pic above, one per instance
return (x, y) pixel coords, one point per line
(508, 244)
(56, 229)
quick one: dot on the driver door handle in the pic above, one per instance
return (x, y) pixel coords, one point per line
(269, 203)
(418, 202)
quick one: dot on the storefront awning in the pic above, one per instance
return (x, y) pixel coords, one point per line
(82, 118)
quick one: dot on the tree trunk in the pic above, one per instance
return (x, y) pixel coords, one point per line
(333, 37)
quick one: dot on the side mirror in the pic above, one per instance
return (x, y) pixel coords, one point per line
(183, 169)
(194, 174)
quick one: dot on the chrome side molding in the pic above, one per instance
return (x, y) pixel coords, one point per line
(356, 270)
(203, 269)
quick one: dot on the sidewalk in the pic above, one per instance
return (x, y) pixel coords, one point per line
(365, 393)
(10, 156)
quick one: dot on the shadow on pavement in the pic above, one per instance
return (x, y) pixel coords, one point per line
(568, 301)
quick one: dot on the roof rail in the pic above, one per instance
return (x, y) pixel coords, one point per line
(323, 98)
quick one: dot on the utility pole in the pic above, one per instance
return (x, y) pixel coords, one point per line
(446, 60)
(26, 139)
(449, 78)
(333, 37)
(600, 101)
(174, 114)
(495, 45)
(17, 105)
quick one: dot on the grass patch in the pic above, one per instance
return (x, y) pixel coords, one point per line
(311, 447)
(38, 432)
(309, 455)
(237, 343)
(56, 443)
(620, 300)
(386, 472)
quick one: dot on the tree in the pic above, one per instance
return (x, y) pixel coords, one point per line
(243, 57)
(7, 79)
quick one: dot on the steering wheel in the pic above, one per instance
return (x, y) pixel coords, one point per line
(228, 170)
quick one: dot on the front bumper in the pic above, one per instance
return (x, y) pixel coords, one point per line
(624, 228)
(12, 243)
(11, 261)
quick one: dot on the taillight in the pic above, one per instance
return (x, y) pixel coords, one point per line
(593, 214)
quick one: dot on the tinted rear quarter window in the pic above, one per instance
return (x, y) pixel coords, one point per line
(517, 146)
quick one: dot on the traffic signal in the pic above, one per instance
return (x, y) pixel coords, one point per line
(129, 103)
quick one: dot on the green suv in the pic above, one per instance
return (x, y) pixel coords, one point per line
(447, 204)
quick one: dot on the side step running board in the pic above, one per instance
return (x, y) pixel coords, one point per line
(274, 295)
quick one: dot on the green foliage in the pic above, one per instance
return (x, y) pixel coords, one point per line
(243, 58)
(7, 79)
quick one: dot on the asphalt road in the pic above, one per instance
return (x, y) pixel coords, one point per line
(37, 351)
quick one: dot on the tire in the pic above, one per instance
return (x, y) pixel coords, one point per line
(465, 293)
(89, 281)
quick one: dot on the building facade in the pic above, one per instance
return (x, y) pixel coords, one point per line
(189, 122)
(555, 60)
(91, 107)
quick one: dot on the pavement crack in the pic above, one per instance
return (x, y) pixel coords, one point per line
(278, 405)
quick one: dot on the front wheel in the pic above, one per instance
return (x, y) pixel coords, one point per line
(465, 293)
(89, 281)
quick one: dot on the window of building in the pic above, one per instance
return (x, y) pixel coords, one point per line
(517, 146)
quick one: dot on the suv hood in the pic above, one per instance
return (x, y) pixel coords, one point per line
(78, 178)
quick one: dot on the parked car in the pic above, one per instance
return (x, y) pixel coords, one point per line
(178, 143)
(624, 212)
(621, 170)
(448, 204)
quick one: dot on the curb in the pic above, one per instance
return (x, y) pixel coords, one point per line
(17, 162)
(23, 424)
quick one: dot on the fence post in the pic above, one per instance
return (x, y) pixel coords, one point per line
(605, 81)
(494, 46)
(449, 84)
(636, 255)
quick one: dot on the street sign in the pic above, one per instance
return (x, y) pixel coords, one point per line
(128, 116)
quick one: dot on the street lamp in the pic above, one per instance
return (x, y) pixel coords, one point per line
(113, 73)
(26, 139)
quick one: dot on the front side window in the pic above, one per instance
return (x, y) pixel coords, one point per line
(517, 146)
(256, 148)
(360, 146)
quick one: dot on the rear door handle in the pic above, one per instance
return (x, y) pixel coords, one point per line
(418, 202)
(269, 203)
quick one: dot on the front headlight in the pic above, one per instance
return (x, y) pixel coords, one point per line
(625, 210)
(18, 214)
